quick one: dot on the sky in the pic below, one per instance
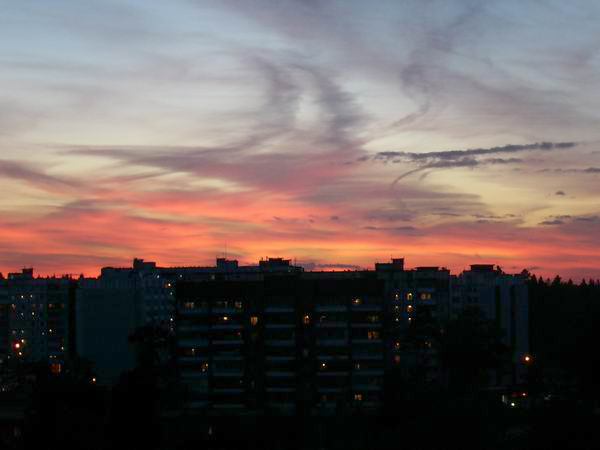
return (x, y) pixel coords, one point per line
(333, 133)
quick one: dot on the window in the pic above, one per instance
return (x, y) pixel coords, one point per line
(356, 301)
(358, 397)
(409, 296)
(323, 366)
(189, 305)
(238, 305)
(425, 296)
(253, 320)
(306, 319)
(373, 318)
(397, 359)
(373, 335)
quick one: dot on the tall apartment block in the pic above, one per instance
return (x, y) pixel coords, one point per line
(283, 340)
(111, 307)
(34, 319)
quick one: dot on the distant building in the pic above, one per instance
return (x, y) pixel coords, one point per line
(504, 299)
(290, 341)
(35, 318)
(110, 307)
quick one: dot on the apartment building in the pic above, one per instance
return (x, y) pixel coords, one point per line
(111, 307)
(295, 342)
(34, 319)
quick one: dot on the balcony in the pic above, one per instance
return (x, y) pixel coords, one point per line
(337, 373)
(331, 308)
(281, 342)
(226, 373)
(192, 311)
(235, 357)
(228, 342)
(372, 307)
(281, 389)
(280, 309)
(366, 387)
(332, 342)
(331, 324)
(228, 326)
(228, 310)
(367, 372)
(193, 343)
(367, 356)
(279, 374)
(190, 328)
(367, 341)
(228, 390)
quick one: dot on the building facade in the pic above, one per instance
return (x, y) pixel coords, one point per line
(35, 323)
(283, 340)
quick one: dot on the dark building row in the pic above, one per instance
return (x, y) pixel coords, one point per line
(270, 337)
(310, 342)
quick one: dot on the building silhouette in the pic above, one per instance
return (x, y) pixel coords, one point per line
(293, 342)
(35, 320)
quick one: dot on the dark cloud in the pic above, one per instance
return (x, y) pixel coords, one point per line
(461, 154)
(35, 177)
(461, 158)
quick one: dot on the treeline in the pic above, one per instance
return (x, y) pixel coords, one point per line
(564, 333)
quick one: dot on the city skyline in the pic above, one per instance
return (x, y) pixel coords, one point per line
(334, 133)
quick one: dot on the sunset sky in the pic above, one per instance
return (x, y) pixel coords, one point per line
(336, 133)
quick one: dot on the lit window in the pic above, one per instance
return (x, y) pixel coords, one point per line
(397, 359)
(372, 335)
(356, 301)
(55, 368)
(425, 296)
(238, 305)
(409, 296)
(253, 320)
(204, 367)
(397, 345)
(306, 319)
(225, 318)
(409, 307)
(358, 397)
(373, 318)
(93, 379)
(189, 305)
(323, 366)
(357, 366)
